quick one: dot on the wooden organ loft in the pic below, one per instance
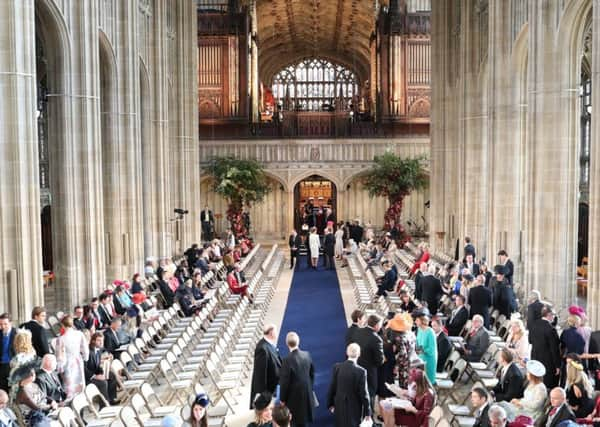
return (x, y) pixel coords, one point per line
(237, 99)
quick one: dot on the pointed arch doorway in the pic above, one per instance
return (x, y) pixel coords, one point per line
(313, 196)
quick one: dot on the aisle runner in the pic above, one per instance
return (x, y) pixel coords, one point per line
(316, 312)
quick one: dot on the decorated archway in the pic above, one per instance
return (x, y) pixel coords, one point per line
(315, 202)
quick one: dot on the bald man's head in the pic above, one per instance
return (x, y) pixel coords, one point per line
(557, 396)
(49, 362)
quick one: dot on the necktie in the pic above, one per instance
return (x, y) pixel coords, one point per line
(553, 411)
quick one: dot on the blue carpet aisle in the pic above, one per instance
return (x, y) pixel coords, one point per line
(316, 312)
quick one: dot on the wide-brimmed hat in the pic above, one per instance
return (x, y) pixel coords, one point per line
(536, 368)
(401, 322)
(421, 312)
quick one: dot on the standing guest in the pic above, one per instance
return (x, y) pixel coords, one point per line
(356, 232)
(348, 397)
(314, 245)
(329, 249)
(94, 372)
(281, 416)
(7, 351)
(509, 268)
(426, 344)
(297, 376)
(423, 268)
(399, 334)
(267, 364)
(469, 248)
(545, 346)
(479, 401)
(534, 308)
(510, 384)
(191, 255)
(480, 300)
(497, 416)
(458, 318)
(359, 320)
(478, 340)
(534, 397)
(571, 340)
(471, 265)
(198, 411)
(339, 241)
(207, 220)
(424, 257)
(78, 321)
(7, 416)
(579, 390)
(295, 241)
(558, 412)
(486, 273)
(443, 344)
(518, 343)
(25, 356)
(431, 289)
(72, 351)
(263, 411)
(421, 395)
(39, 338)
(371, 352)
(504, 297)
(48, 381)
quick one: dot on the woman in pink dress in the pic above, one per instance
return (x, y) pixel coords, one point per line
(71, 352)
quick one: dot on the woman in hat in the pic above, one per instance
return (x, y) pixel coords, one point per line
(420, 396)
(534, 396)
(25, 355)
(579, 389)
(426, 344)
(33, 402)
(263, 416)
(198, 413)
(400, 335)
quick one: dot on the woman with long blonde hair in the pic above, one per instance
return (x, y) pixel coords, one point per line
(518, 342)
(579, 388)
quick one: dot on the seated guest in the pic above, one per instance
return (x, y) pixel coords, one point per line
(388, 281)
(48, 381)
(94, 372)
(421, 395)
(263, 411)
(237, 282)
(497, 416)
(33, 403)
(121, 300)
(457, 320)
(165, 290)
(534, 397)
(478, 340)
(104, 310)
(198, 411)
(558, 411)
(518, 342)
(93, 316)
(407, 304)
(202, 262)
(579, 389)
(510, 385)
(78, 322)
(111, 337)
(7, 416)
(137, 284)
(185, 299)
(479, 401)
(444, 348)
(423, 258)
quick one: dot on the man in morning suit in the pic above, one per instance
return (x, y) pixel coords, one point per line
(111, 337)
(478, 340)
(297, 377)
(7, 350)
(458, 318)
(267, 364)
(479, 401)
(295, 241)
(511, 379)
(558, 412)
(423, 267)
(348, 397)
(534, 309)
(48, 381)
(471, 265)
(329, 249)
(480, 300)
(509, 267)
(371, 352)
(39, 339)
(545, 346)
(106, 382)
(431, 290)
(388, 281)
(358, 321)
(444, 348)
(207, 220)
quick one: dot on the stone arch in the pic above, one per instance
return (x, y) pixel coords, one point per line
(324, 173)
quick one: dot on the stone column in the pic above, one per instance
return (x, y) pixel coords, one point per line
(254, 78)
(20, 229)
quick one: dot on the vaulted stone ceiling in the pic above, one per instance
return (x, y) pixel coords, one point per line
(290, 30)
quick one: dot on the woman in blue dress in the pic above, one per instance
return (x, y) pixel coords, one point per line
(426, 344)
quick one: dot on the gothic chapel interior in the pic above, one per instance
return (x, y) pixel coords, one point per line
(112, 110)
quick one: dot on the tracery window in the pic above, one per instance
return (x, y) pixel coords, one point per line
(315, 85)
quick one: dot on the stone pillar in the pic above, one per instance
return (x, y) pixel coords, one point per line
(254, 78)
(20, 228)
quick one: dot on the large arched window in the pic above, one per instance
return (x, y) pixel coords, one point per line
(314, 85)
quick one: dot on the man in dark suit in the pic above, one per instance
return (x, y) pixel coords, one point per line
(477, 341)
(295, 241)
(545, 346)
(431, 290)
(111, 337)
(469, 248)
(297, 376)
(106, 382)
(443, 343)
(165, 290)
(39, 337)
(480, 301)
(388, 281)
(356, 232)
(418, 277)
(78, 321)
(509, 267)
(348, 397)
(458, 318)
(105, 315)
(510, 384)
(267, 364)
(191, 254)
(48, 381)
(371, 352)
(558, 412)
(7, 350)
(471, 265)
(534, 309)
(207, 220)
(504, 296)
(358, 321)
(479, 401)
(329, 249)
